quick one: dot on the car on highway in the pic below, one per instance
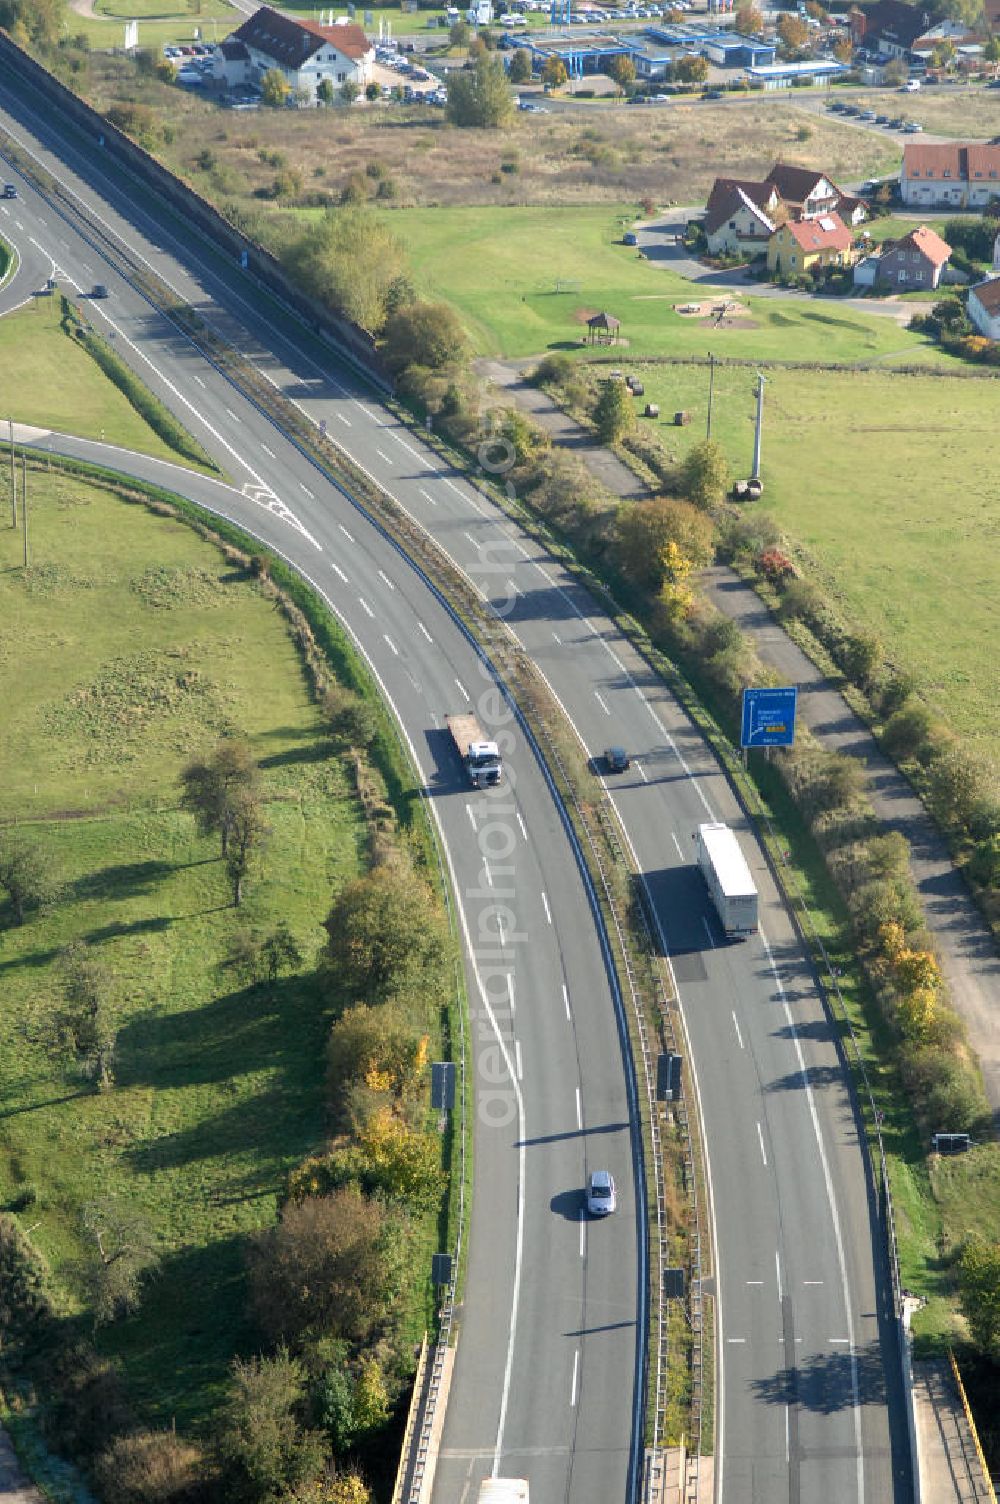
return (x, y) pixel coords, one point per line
(867, 115)
(881, 120)
(601, 1197)
(912, 128)
(9, 190)
(99, 290)
(617, 760)
(897, 123)
(712, 94)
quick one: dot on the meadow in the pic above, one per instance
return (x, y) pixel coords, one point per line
(121, 661)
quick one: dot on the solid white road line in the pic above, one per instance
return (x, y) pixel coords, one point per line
(777, 1268)
(545, 902)
(517, 1056)
(763, 1151)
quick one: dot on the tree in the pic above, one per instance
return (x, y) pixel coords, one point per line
(991, 52)
(460, 34)
(622, 70)
(373, 93)
(979, 1292)
(749, 21)
(843, 51)
(353, 1399)
(331, 1267)
(350, 90)
(247, 831)
(424, 334)
(614, 412)
(644, 529)
(705, 474)
(377, 1046)
(124, 1253)
(907, 730)
(480, 96)
(403, 1164)
(84, 1024)
(209, 788)
(690, 70)
(263, 1449)
(793, 34)
(348, 262)
(943, 54)
(520, 67)
(27, 875)
(896, 72)
(554, 73)
(384, 932)
(863, 657)
(274, 88)
(325, 91)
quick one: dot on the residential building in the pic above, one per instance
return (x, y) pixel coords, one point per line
(992, 10)
(914, 262)
(801, 245)
(950, 175)
(741, 217)
(806, 192)
(983, 307)
(305, 53)
(888, 28)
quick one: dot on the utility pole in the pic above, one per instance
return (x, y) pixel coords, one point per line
(24, 503)
(757, 427)
(13, 476)
(711, 393)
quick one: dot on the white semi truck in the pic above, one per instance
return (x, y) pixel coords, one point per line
(504, 1491)
(480, 756)
(730, 884)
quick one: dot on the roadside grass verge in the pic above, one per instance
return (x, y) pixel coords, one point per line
(883, 479)
(58, 385)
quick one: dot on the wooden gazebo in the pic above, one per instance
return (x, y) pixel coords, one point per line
(603, 329)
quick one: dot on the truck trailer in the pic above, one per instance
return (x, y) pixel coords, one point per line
(480, 756)
(504, 1491)
(730, 885)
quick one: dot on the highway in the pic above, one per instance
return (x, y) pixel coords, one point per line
(810, 1406)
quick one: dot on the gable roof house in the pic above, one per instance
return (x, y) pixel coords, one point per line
(888, 28)
(983, 307)
(800, 245)
(966, 177)
(806, 192)
(303, 52)
(915, 261)
(740, 216)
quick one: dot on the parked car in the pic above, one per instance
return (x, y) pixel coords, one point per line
(912, 128)
(867, 115)
(881, 120)
(897, 123)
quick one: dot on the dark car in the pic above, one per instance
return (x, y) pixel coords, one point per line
(9, 191)
(617, 760)
(712, 94)
(99, 290)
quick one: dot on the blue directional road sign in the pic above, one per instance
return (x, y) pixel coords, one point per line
(768, 717)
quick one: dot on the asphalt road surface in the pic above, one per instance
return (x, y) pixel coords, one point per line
(545, 1381)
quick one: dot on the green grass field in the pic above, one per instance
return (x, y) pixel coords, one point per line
(501, 269)
(885, 478)
(120, 662)
(61, 387)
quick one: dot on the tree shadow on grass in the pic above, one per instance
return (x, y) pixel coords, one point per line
(127, 880)
(152, 926)
(320, 751)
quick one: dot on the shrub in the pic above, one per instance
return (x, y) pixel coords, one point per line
(384, 932)
(907, 730)
(91, 1408)
(705, 474)
(378, 1047)
(955, 785)
(24, 1304)
(945, 1090)
(747, 534)
(861, 658)
(150, 1467)
(262, 1447)
(894, 691)
(800, 600)
(775, 565)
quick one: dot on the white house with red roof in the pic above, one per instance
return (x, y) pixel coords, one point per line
(802, 244)
(949, 175)
(983, 307)
(303, 52)
(913, 262)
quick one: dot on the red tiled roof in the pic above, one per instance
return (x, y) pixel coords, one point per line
(988, 295)
(291, 43)
(962, 163)
(827, 233)
(928, 242)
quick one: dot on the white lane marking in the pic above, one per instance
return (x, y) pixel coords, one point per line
(462, 690)
(383, 456)
(583, 1233)
(566, 1002)
(602, 702)
(521, 823)
(469, 538)
(501, 932)
(786, 1433)
(777, 1268)
(365, 606)
(736, 1339)
(383, 576)
(346, 421)
(345, 532)
(755, 1281)
(642, 772)
(425, 631)
(427, 496)
(510, 993)
(232, 415)
(305, 488)
(840, 1341)
(268, 451)
(557, 638)
(472, 818)
(812, 1281)
(760, 1137)
(338, 571)
(736, 1026)
(202, 384)
(512, 588)
(708, 931)
(835, 1215)
(517, 1056)
(392, 646)
(614, 657)
(579, 1109)
(545, 903)
(489, 874)
(576, 1375)
(680, 849)
(458, 491)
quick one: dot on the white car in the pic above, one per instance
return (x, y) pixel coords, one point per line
(601, 1197)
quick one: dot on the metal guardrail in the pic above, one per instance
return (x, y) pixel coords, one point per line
(987, 1491)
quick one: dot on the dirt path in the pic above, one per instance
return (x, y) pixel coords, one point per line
(965, 946)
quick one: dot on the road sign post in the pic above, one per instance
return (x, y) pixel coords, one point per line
(768, 717)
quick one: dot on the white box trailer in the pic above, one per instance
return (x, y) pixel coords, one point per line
(480, 756)
(730, 885)
(504, 1491)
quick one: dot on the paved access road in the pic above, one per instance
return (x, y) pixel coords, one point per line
(810, 1409)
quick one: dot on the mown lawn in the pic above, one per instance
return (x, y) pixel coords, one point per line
(129, 647)
(62, 387)
(524, 281)
(886, 479)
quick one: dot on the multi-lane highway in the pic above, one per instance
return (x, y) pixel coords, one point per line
(548, 1371)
